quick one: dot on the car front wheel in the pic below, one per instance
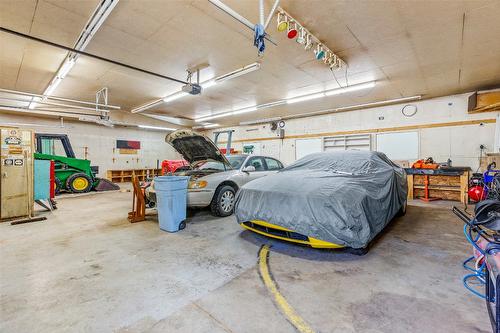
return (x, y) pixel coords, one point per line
(223, 201)
(402, 210)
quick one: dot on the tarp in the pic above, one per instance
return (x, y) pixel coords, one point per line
(345, 197)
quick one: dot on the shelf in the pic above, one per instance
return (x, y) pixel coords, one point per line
(121, 176)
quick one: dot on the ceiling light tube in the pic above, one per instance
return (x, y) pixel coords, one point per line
(239, 72)
(271, 104)
(208, 84)
(305, 98)
(53, 85)
(175, 96)
(157, 128)
(389, 101)
(147, 106)
(93, 24)
(260, 121)
(65, 68)
(244, 110)
(352, 107)
(210, 125)
(215, 116)
(293, 100)
(206, 125)
(352, 88)
(225, 114)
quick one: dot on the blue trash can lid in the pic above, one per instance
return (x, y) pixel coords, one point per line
(170, 179)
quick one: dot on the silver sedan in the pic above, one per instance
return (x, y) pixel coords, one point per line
(215, 183)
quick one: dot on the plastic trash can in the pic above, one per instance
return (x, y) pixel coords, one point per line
(171, 200)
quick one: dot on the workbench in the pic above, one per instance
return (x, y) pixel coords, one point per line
(451, 184)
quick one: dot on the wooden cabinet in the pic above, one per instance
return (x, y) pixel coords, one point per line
(123, 176)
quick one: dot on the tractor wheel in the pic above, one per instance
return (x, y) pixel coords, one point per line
(58, 186)
(79, 183)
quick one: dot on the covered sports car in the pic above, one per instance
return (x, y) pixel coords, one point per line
(326, 200)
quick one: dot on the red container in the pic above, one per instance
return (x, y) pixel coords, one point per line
(52, 180)
(477, 193)
(223, 151)
(169, 166)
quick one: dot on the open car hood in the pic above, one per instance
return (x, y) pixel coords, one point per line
(195, 147)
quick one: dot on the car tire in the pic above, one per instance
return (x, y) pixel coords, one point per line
(402, 210)
(223, 201)
(358, 252)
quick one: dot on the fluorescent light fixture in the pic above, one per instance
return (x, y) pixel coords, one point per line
(388, 101)
(214, 116)
(293, 100)
(352, 88)
(328, 111)
(53, 85)
(245, 110)
(271, 104)
(65, 68)
(157, 128)
(206, 125)
(93, 24)
(260, 121)
(239, 72)
(175, 96)
(33, 104)
(147, 106)
(225, 114)
(208, 84)
(305, 98)
(205, 85)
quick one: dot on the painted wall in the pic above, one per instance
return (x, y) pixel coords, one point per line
(100, 141)
(457, 135)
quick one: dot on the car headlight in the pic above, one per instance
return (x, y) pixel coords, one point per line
(197, 184)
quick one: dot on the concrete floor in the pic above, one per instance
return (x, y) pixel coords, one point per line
(86, 269)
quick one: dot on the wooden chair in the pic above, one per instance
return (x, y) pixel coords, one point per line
(138, 212)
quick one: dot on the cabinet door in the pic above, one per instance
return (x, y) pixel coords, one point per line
(15, 166)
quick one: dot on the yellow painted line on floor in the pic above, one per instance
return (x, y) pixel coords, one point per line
(292, 316)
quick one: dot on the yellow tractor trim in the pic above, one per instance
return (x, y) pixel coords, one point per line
(80, 183)
(313, 242)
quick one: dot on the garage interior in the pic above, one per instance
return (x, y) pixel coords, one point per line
(249, 166)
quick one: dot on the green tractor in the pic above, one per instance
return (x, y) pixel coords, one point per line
(71, 174)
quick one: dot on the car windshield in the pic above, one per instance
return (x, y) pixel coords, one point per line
(236, 161)
(211, 165)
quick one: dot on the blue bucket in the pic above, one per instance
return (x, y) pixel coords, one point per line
(171, 200)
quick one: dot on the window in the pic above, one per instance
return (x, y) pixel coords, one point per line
(273, 164)
(346, 142)
(52, 147)
(236, 160)
(257, 163)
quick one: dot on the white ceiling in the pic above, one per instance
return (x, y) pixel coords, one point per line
(431, 48)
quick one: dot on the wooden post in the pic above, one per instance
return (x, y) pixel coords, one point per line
(410, 186)
(464, 187)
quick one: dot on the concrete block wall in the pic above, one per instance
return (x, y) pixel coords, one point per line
(446, 129)
(100, 141)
